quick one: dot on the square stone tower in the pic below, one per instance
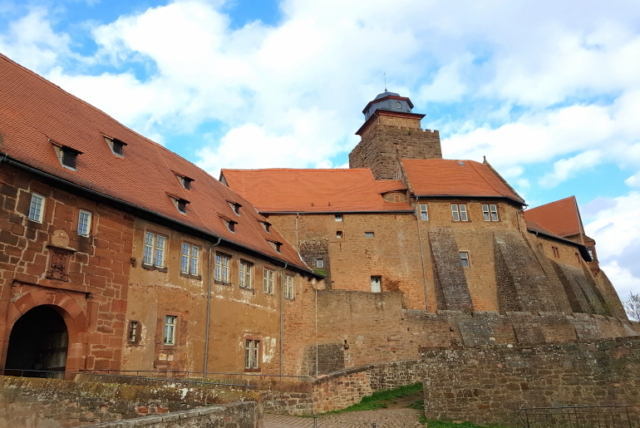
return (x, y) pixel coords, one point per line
(392, 132)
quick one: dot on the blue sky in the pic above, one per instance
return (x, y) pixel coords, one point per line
(549, 91)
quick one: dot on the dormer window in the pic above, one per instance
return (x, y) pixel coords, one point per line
(66, 155)
(235, 207)
(231, 225)
(266, 226)
(185, 181)
(116, 146)
(275, 245)
(181, 204)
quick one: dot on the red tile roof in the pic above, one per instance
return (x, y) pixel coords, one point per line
(444, 177)
(314, 190)
(34, 112)
(560, 217)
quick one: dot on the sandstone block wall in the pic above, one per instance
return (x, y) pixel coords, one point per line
(490, 385)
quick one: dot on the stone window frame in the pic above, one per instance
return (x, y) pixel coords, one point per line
(36, 207)
(152, 252)
(191, 262)
(268, 280)
(134, 332)
(252, 353)
(490, 212)
(459, 212)
(289, 287)
(222, 270)
(423, 211)
(245, 274)
(82, 223)
(174, 329)
(556, 251)
(465, 259)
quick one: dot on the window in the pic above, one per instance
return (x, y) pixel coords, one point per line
(134, 332)
(36, 208)
(267, 280)
(266, 226)
(221, 271)
(275, 245)
(84, 223)
(116, 146)
(231, 225)
(591, 253)
(490, 212)
(464, 258)
(246, 269)
(153, 253)
(185, 181)
(182, 206)
(424, 214)
(288, 287)
(235, 207)
(189, 259)
(69, 157)
(338, 217)
(339, 234)
(556, 252)
(376, 284)
(251, 353)
(459, 212)
(369, 234)
(170, 322)
(320, 263)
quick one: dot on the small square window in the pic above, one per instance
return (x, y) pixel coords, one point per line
(464, 258)
(170, 323)
(36, 208)
(338, 217)
(369, 234)
(339, 234)
(319, 263)
(424, 214)
(84, 223)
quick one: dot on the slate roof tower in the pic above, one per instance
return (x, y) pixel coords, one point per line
(391, 132)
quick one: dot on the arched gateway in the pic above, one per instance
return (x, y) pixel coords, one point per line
(38, 344)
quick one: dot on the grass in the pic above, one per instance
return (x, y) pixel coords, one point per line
(380, 399)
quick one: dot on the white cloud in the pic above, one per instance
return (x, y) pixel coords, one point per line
(616, 229)
(566, 168)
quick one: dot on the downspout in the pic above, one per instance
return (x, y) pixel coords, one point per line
(281, 311)
(208, 327)
(424, 272)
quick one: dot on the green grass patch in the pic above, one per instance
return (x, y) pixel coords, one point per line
(381, 399)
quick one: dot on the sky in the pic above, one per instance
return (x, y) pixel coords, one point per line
(548, 91)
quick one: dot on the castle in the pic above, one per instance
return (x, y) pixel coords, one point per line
(119, 255)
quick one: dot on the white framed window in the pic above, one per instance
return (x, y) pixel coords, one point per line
(221, 271)
(36, 208)
(376, 284)
(338, 217)
(464, 258)
(424, 214)
(84, 223)
(289, 292)
(153, 252)
(459, 212)
(268, 280)
(170, 322)
(189, 259)
(246, 274)
(490, 212)
(251, 354)
(319, 263)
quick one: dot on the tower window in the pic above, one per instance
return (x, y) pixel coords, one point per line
(464, 258)
(424, 214)
(320, 263)
(339, 234)
(338, 217)
(369, 234)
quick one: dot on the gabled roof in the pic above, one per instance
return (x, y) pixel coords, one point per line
(560, 217)
(34, 113)
(313, 190)
(451, 178)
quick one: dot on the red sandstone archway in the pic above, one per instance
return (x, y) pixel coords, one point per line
(68, 308)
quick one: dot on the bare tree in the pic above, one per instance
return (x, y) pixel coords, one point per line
(632, 306)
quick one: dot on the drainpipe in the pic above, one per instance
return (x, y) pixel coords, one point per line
(281, 312)
(208, 327)
(424, 272)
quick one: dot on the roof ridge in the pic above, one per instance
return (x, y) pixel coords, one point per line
(487, 181)
(554, 202)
